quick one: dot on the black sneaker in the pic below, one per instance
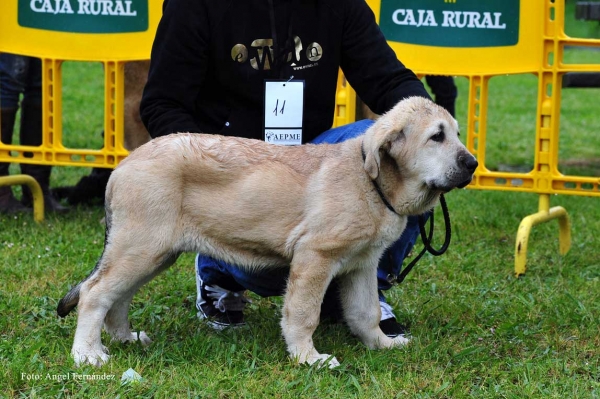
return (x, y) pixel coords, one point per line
(392, 328)
(219, 307)
(389, 325)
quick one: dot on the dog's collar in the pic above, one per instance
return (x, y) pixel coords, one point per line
(377, 188)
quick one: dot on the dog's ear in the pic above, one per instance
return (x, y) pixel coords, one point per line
(379, 138)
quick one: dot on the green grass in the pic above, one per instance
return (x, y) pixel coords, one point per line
(478, 331)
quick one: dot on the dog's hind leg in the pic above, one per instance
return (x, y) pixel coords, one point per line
(358, 293)
(105, 297)
(116, 322)
(310, 276)
(93, 306)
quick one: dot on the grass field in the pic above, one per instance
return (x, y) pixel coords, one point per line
(477, 330)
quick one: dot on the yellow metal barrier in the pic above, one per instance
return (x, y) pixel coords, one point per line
(483, 39)
(110, 33)
(79, 31)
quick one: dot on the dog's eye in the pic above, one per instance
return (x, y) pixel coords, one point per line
(438, 137)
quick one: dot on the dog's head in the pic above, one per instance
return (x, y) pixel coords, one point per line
(420, 140)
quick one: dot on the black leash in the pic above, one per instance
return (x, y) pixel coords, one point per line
(427, 239)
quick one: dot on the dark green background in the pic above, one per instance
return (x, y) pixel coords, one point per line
(447, 36)
(81, 23)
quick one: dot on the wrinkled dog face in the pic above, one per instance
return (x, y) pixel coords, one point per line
(422, 138)
(440, 159)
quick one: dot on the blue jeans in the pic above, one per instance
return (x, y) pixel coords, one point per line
(272, 282)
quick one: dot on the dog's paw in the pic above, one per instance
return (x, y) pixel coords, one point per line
(400, 340)
(385, 342)
(143, 338)
(132, 337)
(92, 357)
(322, 360)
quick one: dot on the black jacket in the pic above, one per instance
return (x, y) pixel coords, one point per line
(210, 59)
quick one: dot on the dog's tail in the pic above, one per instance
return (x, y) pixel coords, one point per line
(70, 301)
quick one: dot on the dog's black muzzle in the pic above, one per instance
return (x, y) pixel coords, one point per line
(469, 164)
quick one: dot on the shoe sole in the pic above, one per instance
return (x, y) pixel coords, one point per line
(215, 325)
(405, 336)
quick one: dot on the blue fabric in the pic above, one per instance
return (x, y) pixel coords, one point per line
(273, 282)
(20, 74)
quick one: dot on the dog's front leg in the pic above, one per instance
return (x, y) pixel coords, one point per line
(310, 276)
(358, 292)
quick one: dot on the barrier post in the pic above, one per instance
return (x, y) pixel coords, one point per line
(545, 214)
(36, 192)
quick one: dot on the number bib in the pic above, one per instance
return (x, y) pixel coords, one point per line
(284, 106)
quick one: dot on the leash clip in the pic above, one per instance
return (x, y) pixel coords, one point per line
(392, 279)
